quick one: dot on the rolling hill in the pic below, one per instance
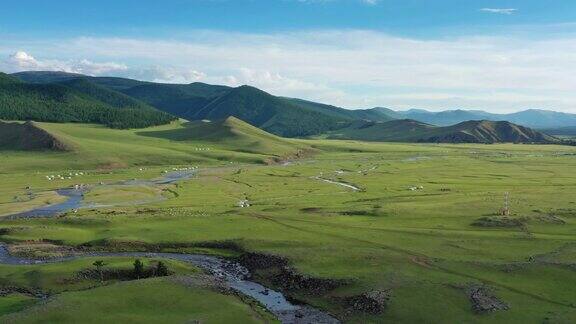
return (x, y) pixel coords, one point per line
(267, 112)
(74, 100)
(29, 136)
(288, 117)
(77, 145)
(229, 132)
(482, 131)
(534, 118)
(104, 95)
(403, 130)
(178, 99)
(561, 131)
(46, 76)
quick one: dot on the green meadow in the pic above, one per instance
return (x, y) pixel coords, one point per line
(423, 226)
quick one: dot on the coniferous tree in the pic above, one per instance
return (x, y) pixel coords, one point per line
(138, 268)
(161, 269)
(99, 264)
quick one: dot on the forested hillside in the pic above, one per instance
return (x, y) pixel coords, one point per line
(288, 117)
(74, 101)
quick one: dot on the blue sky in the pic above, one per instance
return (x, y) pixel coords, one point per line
(495, 55)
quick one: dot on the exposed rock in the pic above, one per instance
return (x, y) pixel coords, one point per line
(40, 250)
(119, 245)
(8, 290)
(306, 315)
(116, 274)
(290, 280)
(373, 302)
(483, 299)
(282, 275)
(259, 261)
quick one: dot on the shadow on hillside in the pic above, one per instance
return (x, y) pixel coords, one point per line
(191, 131)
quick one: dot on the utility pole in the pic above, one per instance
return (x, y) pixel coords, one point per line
(506, 209)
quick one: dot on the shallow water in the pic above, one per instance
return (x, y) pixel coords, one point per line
(74, 201)
(416, 158)
(75, 197)
(234, 274)
(349, 186)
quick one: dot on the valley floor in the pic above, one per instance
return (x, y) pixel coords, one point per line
(370, 232)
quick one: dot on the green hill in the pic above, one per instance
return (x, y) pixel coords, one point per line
(29, 136)
(230, 132)
(181, 100)
(485, 131)
(180, 142)
(561, 131)
(286, 117)
(282, 116)
(373, 114)
(404, 130)
(46, 76)
(267, 112)
(533, 118)
(105, 95)
(74, 101)
(407, 130)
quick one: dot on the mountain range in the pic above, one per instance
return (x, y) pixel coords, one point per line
(282, 116)
(286, 117)
(474, 131)
(535, 118)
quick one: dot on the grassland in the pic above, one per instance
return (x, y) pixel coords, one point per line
(141, 302)
(419, 245)
(133, 301)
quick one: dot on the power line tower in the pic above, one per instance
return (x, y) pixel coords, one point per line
(506, 210)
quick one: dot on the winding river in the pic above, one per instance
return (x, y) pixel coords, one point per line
(233, 274)
(75, 197)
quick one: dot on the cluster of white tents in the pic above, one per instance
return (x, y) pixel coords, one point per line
(181, 169)
(64, 177)
(243, 203)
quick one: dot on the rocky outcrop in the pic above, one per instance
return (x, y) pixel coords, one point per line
(277, 270)
(484, 300)
(372, 302)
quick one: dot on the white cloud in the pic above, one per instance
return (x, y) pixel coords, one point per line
(348, 68)
(501, 11)
(276, 83)
(22, 61)
(166, 74)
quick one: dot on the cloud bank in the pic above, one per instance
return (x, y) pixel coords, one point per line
(351, 68)
(22, 61)
(501, 11)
